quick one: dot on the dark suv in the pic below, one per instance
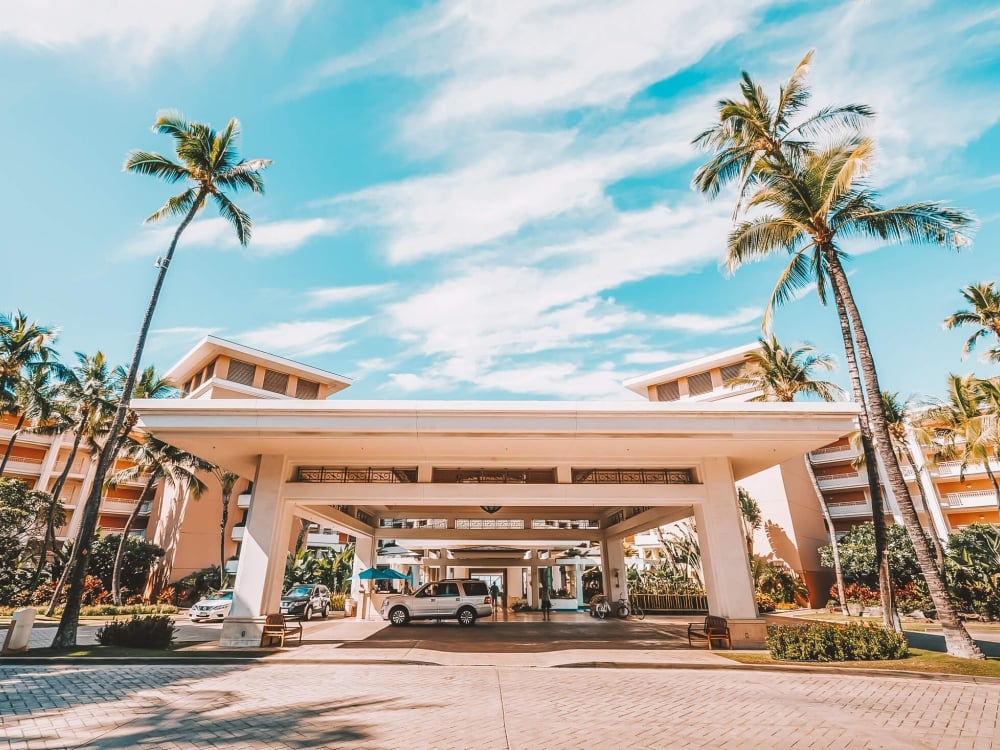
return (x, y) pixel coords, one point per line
(305, 601)
(462, 599)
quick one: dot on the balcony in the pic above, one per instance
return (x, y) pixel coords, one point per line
(974, 499)
(847, 510)
(24, 465)
(322, 540)
(833, 454)
(238, 533)
(954, 468)
(844, 480)
(231, 565)
(243, 501)
(123, 507)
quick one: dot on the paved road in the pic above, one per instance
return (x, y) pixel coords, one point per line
(403, 706)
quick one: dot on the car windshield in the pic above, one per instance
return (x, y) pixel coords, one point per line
(220, 595)
(299, 591)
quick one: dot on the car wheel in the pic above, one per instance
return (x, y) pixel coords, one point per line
(466, 617)
(308, 613)
(398, 616)
(326, 611)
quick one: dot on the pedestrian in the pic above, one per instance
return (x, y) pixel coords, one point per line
(495, 594)
(546, 603)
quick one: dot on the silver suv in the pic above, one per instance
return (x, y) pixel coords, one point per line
(453, 599)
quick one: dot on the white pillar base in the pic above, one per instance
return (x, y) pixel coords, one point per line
(241, 632)
(747, 633)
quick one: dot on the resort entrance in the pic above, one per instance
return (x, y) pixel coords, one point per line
(536, 493)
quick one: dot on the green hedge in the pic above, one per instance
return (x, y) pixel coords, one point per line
(337, 602)
(128, 609)
(828, 642)
(138, 632)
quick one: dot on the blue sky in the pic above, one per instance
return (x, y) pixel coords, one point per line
(476, 200)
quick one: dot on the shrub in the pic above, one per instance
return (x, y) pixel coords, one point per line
(828, 642)
(337, 602)
(765, 602)
(138, 632)
(128, 609)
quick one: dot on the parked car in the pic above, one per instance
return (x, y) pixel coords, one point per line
(464, 600)
(212, 607)
(305, 601)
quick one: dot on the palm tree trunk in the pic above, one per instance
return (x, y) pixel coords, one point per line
(10, 443)
(993, 479)
(116, 590)
(300, 540)
(838, 571)
(871, 467)
(226, 497)
(66, 632)
(957, 638)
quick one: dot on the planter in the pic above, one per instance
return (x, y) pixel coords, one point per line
(854, 609)
(872, 612)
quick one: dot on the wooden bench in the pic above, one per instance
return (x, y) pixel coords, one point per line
(712, 629)
(276, 628)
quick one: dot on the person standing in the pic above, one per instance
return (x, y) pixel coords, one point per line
(495, 594)
(546, 604)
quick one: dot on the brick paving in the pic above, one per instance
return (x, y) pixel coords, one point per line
(297, 706)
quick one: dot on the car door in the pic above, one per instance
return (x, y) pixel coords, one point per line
(447, 599)
(424, 602)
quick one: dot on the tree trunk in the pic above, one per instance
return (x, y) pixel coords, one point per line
(871, 468)
(226, 497)
(300, 540)
(834, 544)
(957, 638)
(993, 479)
(66, 632)
(116, 592)
(10, 443)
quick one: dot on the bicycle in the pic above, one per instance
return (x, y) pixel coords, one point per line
(623, 609)
(637, 610)
(600, 607)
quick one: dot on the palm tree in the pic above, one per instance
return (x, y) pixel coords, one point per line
(208, 163)
(966, 417)
(32, 402)
(805, 202)
(227, 481)
(780, 374)
(156, 461)
(86, 399)
(985, 313)
(750, 515)
(23, 346)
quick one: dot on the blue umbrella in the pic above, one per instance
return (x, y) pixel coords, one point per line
(380, 574)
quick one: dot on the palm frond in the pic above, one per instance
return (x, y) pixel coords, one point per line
(246, 174)
(156, 165)
(797, 274)
(236, 216)
(757, 238)
(224, 154)
(916, 222)
(178, 205)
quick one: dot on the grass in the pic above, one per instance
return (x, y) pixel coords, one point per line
(919, 660)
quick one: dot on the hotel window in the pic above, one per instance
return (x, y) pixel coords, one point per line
(276, 382)
(700, 383)
(241, 372)
(668, 391)
(731, 371)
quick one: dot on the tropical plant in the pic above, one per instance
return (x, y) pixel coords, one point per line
(209, 163)
(974, 568)
(32, 403)
(750, 516)
(332, 568)
(137, 561)
(984, 301)
(24, 346)
(859, 560)
(782, 374)
(152, 461)
(804, 200)
(22, 514)
(680, 566)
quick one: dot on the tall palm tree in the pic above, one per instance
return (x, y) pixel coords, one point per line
(208, 163)
(806, 207)
(984, 301)
(227, 481)
(23, 346)
(157, 461)
(781, 374)
(817, 198)
(32, 403)
(86, 399)
(750, 515)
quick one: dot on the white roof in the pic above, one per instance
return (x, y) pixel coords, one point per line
(641, 383)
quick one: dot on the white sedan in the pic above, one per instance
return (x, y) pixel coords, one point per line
(212, 607)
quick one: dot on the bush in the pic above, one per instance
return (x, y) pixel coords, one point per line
(128, 609)
(337, 602)
(138, 632)
(765, 602)
(828, 642)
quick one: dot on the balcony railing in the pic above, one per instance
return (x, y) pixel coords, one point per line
(954, 468)
(850, 509)
(238, 533)
(832, 453)
(842, 480)
(243, 501)
(973, 499)
(124, 507)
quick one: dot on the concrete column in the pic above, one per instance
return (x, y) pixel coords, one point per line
(257, 590)
(887, 493)
(49, 463)
(613, 552)
(77, 517)
(365, 552)
(578, 572)
(533, 600)
(723, 547)
(930, 490)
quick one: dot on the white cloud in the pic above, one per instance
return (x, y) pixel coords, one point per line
(337, 294)
(267, 238)
(159, 338)
(299, 338)
(661, 357)
(702, 324)
(134, 34)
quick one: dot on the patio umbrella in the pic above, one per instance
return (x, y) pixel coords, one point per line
(380, 574)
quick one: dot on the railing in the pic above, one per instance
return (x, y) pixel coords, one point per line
(118, 506)
(25, 460)
(359, 475)
(243, 501)
(632, 476)
(850, 509)
(976, 498)
(238, 532)
(680, 603)
(831, 449)
(954, 468)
